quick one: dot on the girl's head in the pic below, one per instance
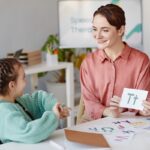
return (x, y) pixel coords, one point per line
(108, 24)
(12, 77)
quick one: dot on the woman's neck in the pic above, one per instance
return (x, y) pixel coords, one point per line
(7, 98)
(114, 51)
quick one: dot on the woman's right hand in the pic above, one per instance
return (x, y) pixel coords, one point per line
(115, 100)
(111, 112)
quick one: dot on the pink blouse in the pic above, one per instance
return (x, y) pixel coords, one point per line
(101, 78)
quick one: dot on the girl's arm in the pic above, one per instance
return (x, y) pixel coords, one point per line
(38, 102)
(17, 127)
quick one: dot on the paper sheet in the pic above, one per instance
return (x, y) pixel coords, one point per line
(133, 98)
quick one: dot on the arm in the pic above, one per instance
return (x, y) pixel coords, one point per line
(18, 128)
(143, 83)
(38, 102)
(93, 107)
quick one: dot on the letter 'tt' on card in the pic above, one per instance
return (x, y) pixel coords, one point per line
(133, 98)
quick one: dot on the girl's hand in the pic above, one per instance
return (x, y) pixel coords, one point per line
(60, 111)
(56, 109)
(146, 111)
(64, 111)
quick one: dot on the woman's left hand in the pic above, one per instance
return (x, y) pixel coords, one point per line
(146, 111)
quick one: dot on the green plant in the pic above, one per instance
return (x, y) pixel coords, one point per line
(51, 44)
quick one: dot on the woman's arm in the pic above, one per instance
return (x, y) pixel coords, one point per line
(93, 107)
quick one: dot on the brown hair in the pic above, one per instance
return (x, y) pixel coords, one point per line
(113, 13)
(8, 72)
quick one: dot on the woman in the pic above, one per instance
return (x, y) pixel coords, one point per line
(114, 66)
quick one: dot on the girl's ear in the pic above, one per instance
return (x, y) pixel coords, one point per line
(11, 85)
(121, 31)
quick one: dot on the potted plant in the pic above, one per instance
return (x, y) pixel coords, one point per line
(51, 44)
(51, 48)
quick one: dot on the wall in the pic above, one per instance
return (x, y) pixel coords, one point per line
(26, 23)
(146, 25)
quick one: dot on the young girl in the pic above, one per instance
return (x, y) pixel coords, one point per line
(25, 118)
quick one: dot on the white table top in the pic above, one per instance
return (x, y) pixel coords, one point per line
(140, 141)
(44, 67)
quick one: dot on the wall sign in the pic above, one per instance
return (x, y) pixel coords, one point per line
(75, 22)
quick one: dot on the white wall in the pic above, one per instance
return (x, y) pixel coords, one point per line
(146, 26)
(27, 23)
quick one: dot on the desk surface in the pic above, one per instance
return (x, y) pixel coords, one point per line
(44, 67)
(139, 141)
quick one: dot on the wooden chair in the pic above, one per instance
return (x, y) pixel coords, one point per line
(80, 113)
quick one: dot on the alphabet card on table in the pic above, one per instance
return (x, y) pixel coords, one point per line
(133, 98)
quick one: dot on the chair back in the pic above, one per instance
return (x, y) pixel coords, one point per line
(80, 112)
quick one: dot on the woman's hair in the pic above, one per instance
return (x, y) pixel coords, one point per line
(8, 72)
(113, 13)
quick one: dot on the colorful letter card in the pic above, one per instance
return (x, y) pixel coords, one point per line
(133, 98)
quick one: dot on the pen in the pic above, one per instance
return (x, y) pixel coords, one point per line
(60, 107)
(56, 145)
(63, 106)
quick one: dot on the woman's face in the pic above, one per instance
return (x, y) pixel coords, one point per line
(104, 33)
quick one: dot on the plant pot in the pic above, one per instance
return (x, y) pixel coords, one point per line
(51, 59)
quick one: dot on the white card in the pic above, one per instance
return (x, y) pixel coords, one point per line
(133, 98)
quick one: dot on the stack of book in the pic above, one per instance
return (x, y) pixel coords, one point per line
(28, 58)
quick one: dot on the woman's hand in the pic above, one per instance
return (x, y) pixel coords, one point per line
(114, 110)
(115, 100)
(146, 111)
(111, 112)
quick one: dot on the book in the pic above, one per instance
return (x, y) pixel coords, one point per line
(28, 57)
(95, 139)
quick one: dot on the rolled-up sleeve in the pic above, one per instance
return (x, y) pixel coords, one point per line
(93, 108)
(143, 81)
